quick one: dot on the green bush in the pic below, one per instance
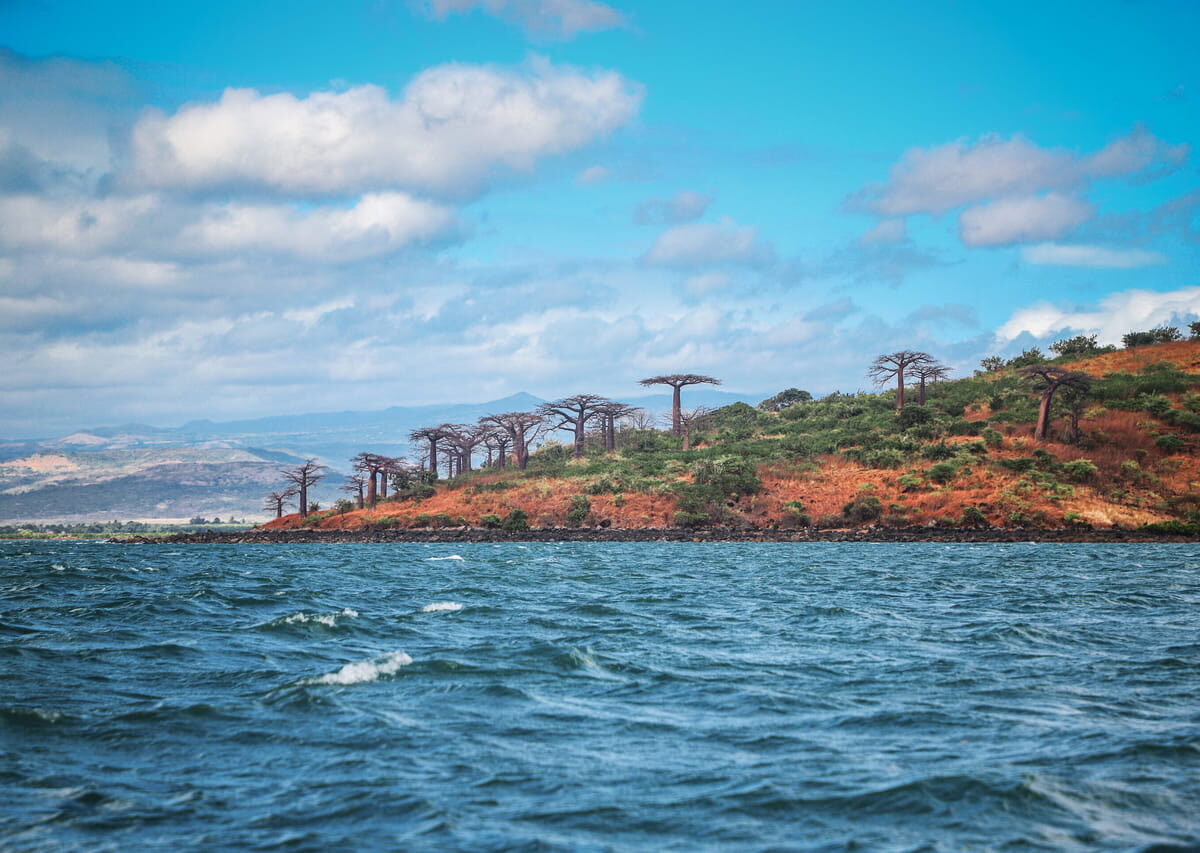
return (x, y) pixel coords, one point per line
(490, 520)
(516, 521)
(1028, 358)
(938, 452)
(1170, 443)
(862, 508)
(1079, 470)
(343, 506)
(687, 518)
(942, 472)
(991, 437)
(972, 516)
(910, 482)
(1173, 527)
(796, 515)
(1020, 464)
(581, 507)
(1158, 335)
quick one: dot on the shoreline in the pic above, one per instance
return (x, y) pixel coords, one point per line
(588, 534)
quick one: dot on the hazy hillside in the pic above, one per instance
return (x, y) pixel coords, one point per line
(206, 468)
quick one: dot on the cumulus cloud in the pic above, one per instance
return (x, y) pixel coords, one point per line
(1022, 219)
(593, 175)
(1099, 257)
(1115, 315)
(684, 206)
(707, 244)
(885, 232)
(561, 19)
(452, 128)
(1013, 190)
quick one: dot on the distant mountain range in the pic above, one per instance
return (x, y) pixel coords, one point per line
(206, 468)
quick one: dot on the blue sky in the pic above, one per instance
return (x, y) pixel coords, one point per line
(227, 210)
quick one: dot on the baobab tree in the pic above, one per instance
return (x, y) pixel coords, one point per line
(573, 413)
(462, 440)
(497, 442)
(677, 381)
(893, 365)
(356, 484)
(521, 428)
(609, 413)
(371, 465)
(303, 476)
(275, 500)
(692, 419)
(931, 372)
(1051, 379)
(435, 435)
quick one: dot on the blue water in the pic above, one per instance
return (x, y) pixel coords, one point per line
(600, 697)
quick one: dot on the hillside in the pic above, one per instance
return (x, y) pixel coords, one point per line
(967, 458)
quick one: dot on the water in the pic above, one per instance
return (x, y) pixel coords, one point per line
(600, 697)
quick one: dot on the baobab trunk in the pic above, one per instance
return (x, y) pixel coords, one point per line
(900, 389)
(1043, 421)
(372, 491)
(676, 411)
(922, 398)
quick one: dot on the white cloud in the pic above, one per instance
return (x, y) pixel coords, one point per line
(1116, 314)
(705, 284)
(684, 206)
(704, 244)
(547, 18)
(147, 226)
(454, 126)
(1056, 254)
(885, 232)
(592, 175)
(1133, 154)
(934, 180)
(1022, 220)
(379, 224)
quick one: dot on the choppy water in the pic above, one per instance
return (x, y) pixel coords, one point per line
(600, 697)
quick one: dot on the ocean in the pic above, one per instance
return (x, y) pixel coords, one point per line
(600, 696)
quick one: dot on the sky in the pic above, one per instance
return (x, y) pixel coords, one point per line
(228, 210)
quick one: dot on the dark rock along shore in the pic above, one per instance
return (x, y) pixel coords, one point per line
(715, 534)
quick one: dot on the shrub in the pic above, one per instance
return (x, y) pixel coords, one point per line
(343, 506)
(1076, 346)
(581, 507)
(1020, 464)
(1028, 358)
(862, 508)
(796, 515)
(1174, 527)
(1157, 335)
(992, 363)
(911, 416)
(516, 521)
(942, 472)
(490, 520)
(1194, 328)
(1079, 470)
(910, 482)
(1170, 443)
(937, 452)
(686, 518)
(972, 516)
(785, 400)
(992, 437)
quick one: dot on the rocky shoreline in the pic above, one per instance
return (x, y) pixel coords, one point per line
(597, 534)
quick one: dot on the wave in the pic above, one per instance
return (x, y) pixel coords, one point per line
(363, 671)
(436, 559)
(442, 607)
(326, 620)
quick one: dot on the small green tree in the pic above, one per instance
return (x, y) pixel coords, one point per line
(785, 400)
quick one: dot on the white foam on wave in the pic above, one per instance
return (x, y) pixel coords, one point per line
(441, 606)
(435, 559)
(329, 620)
(363, 671)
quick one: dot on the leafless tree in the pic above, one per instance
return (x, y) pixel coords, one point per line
(692, 420)
(521, 428)
(573, 413)
(356, 485)
(610, 412)
(371, 465)
(434, 435)
(308, 474)
(1049, 380)
(892, 366)
(639, 419)
(275, 500)
(461, 440)
(677, 381)
(928, 373)
(497, 442)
